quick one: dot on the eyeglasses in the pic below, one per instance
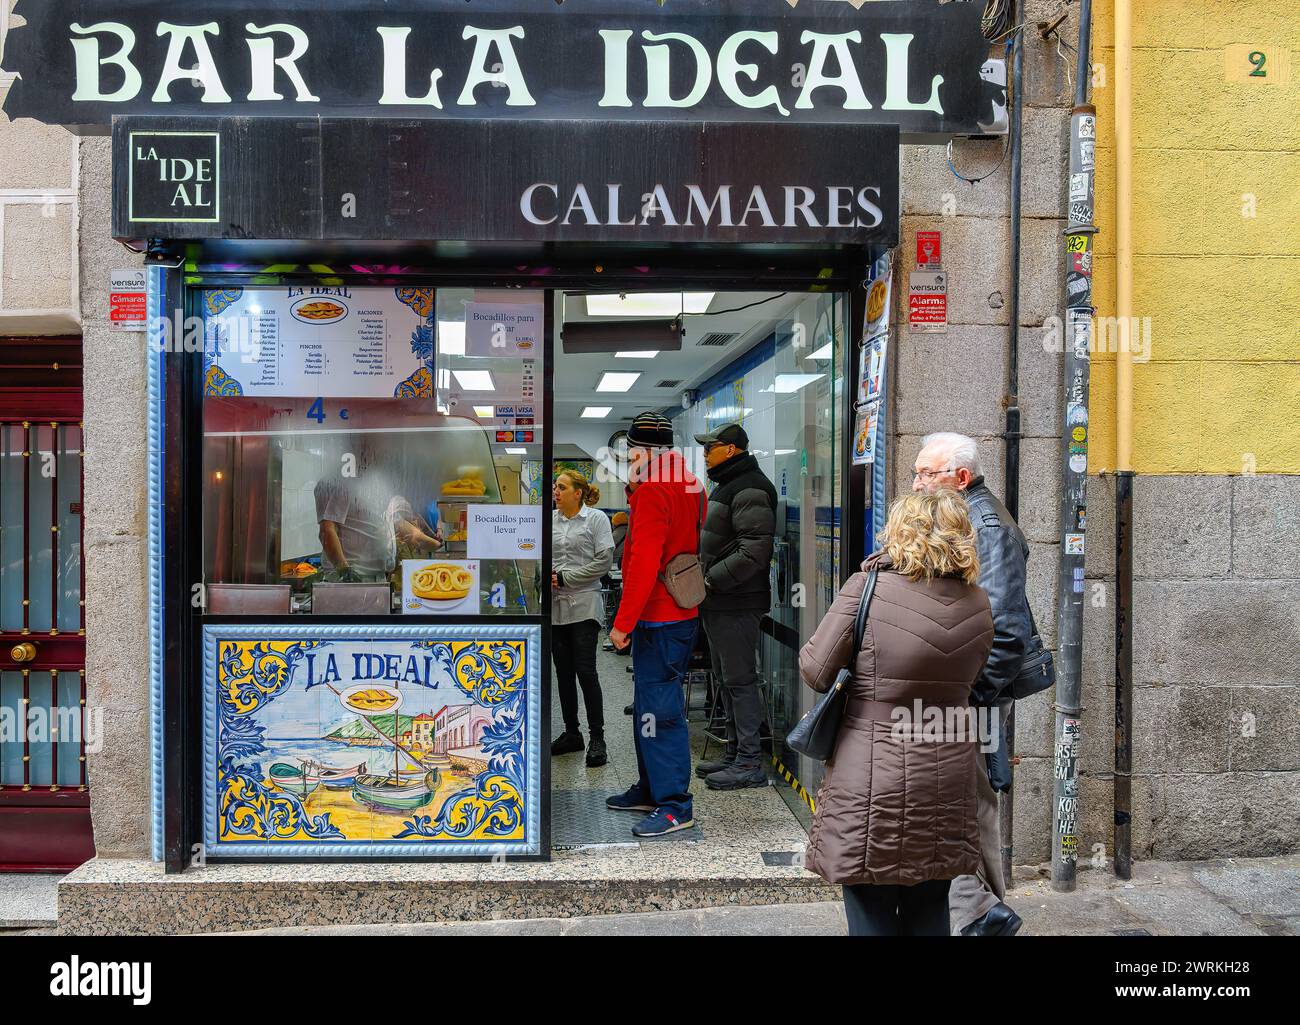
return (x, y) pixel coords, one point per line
(929, 475)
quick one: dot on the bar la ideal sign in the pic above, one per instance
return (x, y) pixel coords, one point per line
(911, 64)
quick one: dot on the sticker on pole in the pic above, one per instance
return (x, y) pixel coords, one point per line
(127, 309)
(927, 302)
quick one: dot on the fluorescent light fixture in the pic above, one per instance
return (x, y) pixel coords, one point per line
(650, 354)
(484, 412)
(596, 412)
(610, 381)
(787, 383)
(516, 451)
(451, 338)
(785, 451)
(823, 353)
(648, 304)
(475, 380)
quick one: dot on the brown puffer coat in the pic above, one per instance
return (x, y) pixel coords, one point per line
(893, 809)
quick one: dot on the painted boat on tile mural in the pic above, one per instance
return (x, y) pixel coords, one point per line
(293, 779)
(333, 778)
(395, 793)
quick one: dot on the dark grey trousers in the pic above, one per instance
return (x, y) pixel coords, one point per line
(733, 645)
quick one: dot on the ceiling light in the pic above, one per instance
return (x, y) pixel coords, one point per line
(451, 338)
(787, 383)
(785, 452)
(475, 380)
(643, 354)
(823, 353)
(596, 412)
(484, 412)
(648, 304)
(610, 381)
(516, 451)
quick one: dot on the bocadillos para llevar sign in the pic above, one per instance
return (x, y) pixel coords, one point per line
(911, 64)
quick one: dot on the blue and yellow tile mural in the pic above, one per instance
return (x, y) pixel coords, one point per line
(379, 741)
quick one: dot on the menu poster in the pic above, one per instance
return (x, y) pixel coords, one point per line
(327, 341)
(878, 304)
(864, 434)
(439, 587)
(871, 369)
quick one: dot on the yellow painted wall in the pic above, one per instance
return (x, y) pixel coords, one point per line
(1220, 393)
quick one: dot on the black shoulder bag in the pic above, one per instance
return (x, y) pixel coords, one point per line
(814, 735)
(1038, 670)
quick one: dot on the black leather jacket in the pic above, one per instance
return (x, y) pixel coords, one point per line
(1003, 552)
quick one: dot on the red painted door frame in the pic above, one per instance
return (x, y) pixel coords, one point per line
(44, 828)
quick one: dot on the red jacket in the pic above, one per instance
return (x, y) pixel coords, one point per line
(665, 517)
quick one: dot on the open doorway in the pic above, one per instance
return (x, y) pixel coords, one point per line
(771, 362)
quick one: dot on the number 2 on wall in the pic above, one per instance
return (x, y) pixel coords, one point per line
(1257, 59)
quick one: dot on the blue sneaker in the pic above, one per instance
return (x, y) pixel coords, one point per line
(632, 800)
(661, 822)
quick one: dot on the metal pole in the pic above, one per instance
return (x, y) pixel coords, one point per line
(1123, 673)
(1077, 348)
(1011, 436)
(1123, 442)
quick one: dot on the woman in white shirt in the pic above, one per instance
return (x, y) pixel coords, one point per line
(582, 552)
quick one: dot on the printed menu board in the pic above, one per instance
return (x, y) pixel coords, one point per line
(329, 341)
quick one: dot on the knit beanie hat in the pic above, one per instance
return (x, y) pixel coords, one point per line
(651, 430)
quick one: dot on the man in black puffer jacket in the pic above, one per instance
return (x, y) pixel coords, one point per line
(736, 552)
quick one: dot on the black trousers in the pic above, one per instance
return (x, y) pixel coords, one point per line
(920, 910)
(733, 646)
(573, 650)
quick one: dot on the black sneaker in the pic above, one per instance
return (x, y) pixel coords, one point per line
(596, 753)
(709, 768)
(567, 743)
(629, 710)
(737, 777)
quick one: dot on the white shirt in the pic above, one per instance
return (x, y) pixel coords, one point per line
(582, 550)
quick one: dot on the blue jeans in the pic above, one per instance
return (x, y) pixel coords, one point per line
(660, 655)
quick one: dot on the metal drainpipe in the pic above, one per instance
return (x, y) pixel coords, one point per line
(1011, 436)
(1077, 348)
(1123, 441)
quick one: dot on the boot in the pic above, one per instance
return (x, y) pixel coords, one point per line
(567, 742)
(728, 759)
(596, 753)
(737, 777)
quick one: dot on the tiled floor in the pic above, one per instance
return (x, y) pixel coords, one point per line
(721, 818)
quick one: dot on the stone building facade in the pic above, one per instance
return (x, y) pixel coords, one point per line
(1217, 575)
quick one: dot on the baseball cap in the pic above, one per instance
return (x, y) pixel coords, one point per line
(727, 434)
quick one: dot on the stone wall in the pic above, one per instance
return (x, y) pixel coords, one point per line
(38, 223)
(116, 531)
(1216, 706)
(958, 380)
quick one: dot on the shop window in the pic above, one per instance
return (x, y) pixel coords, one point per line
(353, 437)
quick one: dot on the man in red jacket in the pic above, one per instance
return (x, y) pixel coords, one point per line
(667, 508)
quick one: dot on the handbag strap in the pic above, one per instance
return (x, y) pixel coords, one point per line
(860, 623)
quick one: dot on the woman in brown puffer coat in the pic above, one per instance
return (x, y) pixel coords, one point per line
(895, 819)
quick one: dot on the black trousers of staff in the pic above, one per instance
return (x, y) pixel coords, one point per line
(573, 650)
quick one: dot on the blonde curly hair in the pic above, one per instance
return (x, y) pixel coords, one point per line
(930, 535)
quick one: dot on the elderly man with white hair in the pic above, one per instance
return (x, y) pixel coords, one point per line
(952, 461)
